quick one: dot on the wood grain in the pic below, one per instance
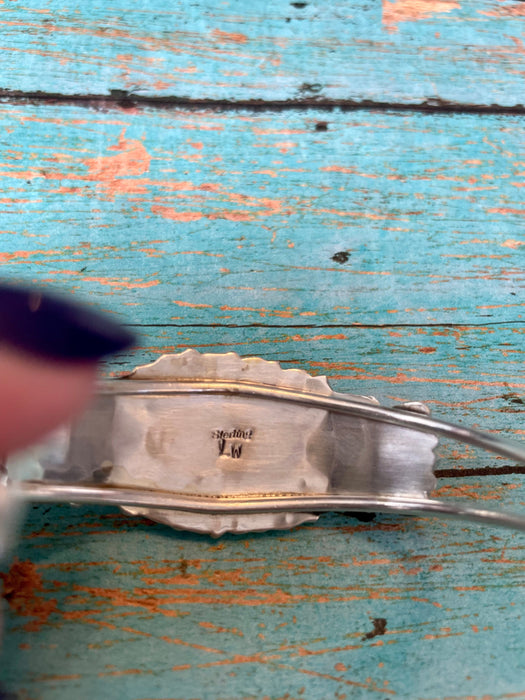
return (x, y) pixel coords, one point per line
(402, 51)
(204, 217)
(122, 608)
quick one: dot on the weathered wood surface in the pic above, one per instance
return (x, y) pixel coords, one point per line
(406, 51)
(180, 216)
(120, 608)
(382, 248)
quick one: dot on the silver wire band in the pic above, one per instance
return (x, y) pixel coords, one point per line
(236, 505)
(351, 407)
(282, 502)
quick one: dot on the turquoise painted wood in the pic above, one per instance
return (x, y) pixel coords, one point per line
(126, 609)
(406, 51)
(382, 248)
(178, 216)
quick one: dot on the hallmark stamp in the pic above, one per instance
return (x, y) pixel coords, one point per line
(230, 442)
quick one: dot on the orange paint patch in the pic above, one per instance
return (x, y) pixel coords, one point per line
(161, 85)
(192, 306)
(184, 643)
(21, 587)
(395, 11)
(232, 216)
(257, 207)
(416, 599)
(403, 378)
(229, 37)
(498, 306)
(260, 658)
(281, 132)
(282, 146)
(348, 170)
(125, 672)
(66, 190)
(273, 205)
(151, 252)
(471, 491)
(286, 313)
(24, 254)
(515, 10)
(512, 243)
(370, 562)
(271, 173)
(175, 215)
(132, 160)
(314, 338)
(436, 567)
(470, 588)
(506, 210)
(158, 599)
(442, 636)
(337, 169)
(122, 283)
(216, 628)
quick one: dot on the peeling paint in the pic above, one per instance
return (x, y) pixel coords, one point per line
(395, 11)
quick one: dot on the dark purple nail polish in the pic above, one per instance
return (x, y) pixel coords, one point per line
(50, 326)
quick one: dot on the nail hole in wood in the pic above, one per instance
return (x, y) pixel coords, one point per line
(311, 87)
(341, 257)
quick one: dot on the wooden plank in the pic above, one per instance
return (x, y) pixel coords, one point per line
(117, 607)
(402, 51)
(203, 217)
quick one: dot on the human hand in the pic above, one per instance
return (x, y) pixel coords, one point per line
(49, 353)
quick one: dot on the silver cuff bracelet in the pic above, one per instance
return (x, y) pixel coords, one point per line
(219, 443)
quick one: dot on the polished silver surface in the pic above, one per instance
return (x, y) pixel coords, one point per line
(401, 415)
(220, 443)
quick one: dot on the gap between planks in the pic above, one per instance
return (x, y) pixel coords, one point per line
(122, 99)
(320, 326)
(479, 471)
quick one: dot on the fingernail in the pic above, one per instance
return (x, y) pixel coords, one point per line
(49, 326)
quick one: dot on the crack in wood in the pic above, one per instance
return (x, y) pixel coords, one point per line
(508, 469)
(123, 99)
(321, 326)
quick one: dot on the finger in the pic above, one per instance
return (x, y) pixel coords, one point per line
(49, 350)
(37, 394)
